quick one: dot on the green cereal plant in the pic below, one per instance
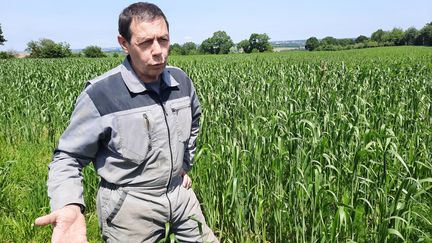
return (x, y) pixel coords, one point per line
(294, 146)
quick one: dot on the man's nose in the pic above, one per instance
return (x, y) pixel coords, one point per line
(156, 48)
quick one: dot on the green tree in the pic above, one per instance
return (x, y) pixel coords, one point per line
(2, 39)
(345, 42)
(190, 48)
(176, 49)
(425, 36)
(371, 43)
(410, 36)
(260, 42)
(206, 47)
(93, 51)
(326, 41)
(312, 43)
(245, 46)
(219, 43)
(395, 36)
(46, 48)
(6, 55)
(378, 35)
(361, 39)
(77, 55)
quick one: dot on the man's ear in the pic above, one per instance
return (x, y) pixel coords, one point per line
(123, 43)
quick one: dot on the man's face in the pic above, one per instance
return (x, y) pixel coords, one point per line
(148, 48)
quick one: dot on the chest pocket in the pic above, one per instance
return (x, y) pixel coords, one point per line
(135, 140)
(183, 119)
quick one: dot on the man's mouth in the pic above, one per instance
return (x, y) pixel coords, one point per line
(158, 65)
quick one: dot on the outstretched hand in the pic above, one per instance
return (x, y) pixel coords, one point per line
(68, 224)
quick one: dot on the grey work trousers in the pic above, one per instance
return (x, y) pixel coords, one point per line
(138, 214)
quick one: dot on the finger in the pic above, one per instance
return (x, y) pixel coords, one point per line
(46, 220)
(187, 182)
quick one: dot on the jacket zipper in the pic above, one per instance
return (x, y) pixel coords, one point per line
(171, 155)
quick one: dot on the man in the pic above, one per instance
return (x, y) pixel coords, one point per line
(138, 124)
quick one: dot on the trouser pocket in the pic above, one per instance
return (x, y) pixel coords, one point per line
(109, 203)
(131, 216)
(117, 205)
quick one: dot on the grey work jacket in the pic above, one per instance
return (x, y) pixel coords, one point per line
(133, 136)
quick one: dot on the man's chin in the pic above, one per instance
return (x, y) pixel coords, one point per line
(155, 71)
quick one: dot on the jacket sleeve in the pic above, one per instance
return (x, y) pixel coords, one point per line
(77, 146)
(188, 158)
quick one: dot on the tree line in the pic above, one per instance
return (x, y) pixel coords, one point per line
(46, 48)
(219, 43)
(394, 37)
(3, 54)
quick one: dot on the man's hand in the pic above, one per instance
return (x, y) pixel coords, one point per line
(68, 222)
(187, 181)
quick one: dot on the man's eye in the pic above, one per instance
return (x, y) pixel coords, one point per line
(147, 42)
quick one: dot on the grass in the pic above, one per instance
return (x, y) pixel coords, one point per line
(295, 146)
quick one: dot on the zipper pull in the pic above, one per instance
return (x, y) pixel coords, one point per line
(174, 111)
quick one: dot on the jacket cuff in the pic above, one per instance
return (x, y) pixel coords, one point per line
(66, 199)
(82, 207)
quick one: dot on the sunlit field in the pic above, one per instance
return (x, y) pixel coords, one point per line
(294, 146)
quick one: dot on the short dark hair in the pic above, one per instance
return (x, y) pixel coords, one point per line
(141, 11)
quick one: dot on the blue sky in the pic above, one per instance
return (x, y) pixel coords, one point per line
(94, 22)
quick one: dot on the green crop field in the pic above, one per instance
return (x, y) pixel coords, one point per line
(294, 146)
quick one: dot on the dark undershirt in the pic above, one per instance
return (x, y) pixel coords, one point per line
(155, 85)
